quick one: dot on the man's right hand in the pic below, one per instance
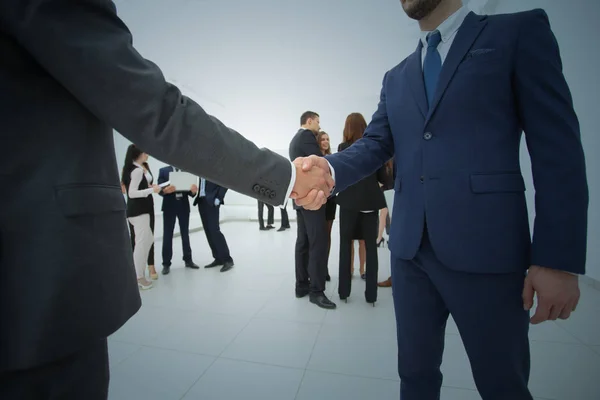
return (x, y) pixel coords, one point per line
(313, 182)
(169, 189)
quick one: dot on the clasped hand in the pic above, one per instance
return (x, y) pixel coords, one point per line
(313, 182)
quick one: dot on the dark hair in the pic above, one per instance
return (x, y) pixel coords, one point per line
(319, 136)
(354, 128)
(307, 115)
(133, 153)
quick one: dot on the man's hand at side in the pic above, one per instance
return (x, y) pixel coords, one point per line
(313, 182)
(557, 293)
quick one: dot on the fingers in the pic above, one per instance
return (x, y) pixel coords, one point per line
(542, 312)
(528, 294)
(319, 201)
(309, 162)
(313, 200)
(566, 312)
(555, 312)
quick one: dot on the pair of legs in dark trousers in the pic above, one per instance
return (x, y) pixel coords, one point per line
(488, 311)
(270, 214)
(358, 225)
(209, 214)
(311, 250)
(82, 375)
(182, 214)
(285, 219)
(132, 233)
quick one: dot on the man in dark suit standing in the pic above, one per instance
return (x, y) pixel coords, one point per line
(209, 200)
(452, 114)
(311, 243)
(285, 219)
(69, 76)
(270, 216)
(175, 206)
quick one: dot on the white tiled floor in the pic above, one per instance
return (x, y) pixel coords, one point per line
(206, 335)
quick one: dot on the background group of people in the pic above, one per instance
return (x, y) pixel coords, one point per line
(360, 219)
(137, 183)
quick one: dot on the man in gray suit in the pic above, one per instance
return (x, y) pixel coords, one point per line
(69, 76)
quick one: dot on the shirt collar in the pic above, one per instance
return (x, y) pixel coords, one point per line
(137, 165)
(449, 27)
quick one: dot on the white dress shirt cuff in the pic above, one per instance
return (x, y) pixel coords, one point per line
(291, 187)
(332, 171)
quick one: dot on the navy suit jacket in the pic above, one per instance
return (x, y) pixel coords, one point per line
(212, 192)
(170, 201)
(457, 163)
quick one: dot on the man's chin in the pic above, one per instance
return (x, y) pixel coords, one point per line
(419, 9)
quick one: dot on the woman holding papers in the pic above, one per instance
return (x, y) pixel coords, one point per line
(140, 207)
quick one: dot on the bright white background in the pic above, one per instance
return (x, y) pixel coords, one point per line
(258, 64)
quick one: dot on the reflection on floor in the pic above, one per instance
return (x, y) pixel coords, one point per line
(208, 335)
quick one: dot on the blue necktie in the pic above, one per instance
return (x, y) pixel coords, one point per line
(432, 65)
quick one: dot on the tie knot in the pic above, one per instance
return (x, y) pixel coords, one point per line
(434, 39)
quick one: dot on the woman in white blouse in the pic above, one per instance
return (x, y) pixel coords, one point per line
(140, 206)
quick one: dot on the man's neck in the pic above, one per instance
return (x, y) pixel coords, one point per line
(439, 15)
(307, 128)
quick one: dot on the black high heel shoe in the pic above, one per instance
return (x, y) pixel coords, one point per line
(381, 242)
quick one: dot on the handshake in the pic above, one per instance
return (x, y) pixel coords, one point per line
(313, 182)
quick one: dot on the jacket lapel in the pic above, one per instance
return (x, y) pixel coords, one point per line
(415, 78)
(465, 37)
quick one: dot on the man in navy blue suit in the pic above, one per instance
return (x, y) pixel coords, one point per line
(453, 113)
(209, 200)
(175, 206)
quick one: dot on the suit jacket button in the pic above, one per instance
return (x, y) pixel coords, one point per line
(427, 136)
(262, 191)
(272, 195)
(256, 188)
(267, 193)
(422, 179)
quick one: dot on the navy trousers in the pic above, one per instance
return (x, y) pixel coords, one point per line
(212, 229)
(170, 216)
(488, 310)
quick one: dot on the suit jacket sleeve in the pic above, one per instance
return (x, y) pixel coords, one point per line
(553, 140)
(88, 49)
(221, 194)
(162, 178)
(367, 154)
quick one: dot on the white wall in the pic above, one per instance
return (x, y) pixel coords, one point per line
(575, 24)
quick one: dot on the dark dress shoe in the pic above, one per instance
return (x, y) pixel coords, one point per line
(283, 228)
(300, 293)
(269, 227)
(213, 264)
(227, 266)
(322, 301)
(262, 228)
(190, 264)
(166, 269)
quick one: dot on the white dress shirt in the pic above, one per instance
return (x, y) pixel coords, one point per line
(136, 179)
(448, 29)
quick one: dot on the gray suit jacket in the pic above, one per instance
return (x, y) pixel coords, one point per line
(68, 76)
